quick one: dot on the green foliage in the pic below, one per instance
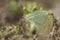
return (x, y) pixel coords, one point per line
(3, 29)
(29, 7)
(8, 30)
(16, 28)
(41, 21)
(13, 6)
(2, 32)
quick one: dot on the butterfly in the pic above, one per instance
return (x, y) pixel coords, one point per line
(40, 21)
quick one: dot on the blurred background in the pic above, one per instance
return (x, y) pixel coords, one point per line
(11, 13)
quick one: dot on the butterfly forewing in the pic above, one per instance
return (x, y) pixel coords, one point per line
(42, 21)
